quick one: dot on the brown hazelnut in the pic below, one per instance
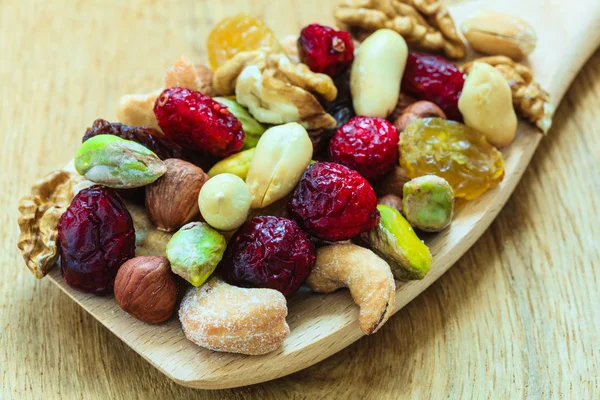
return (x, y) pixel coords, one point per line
(391, 183)
(172, 200)
(391, 200)
(146, 288)
(404, 101)
(420, 109)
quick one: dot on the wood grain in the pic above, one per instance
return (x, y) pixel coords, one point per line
(516, 316)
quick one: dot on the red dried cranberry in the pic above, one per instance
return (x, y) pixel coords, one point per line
(368, 145)
(333, 202)
(269, 252)
(325, 50)
(196, 121)
(152, 139)
(434, 79)
(95, 236)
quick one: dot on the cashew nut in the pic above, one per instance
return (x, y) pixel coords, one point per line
(227, 318)
(367, 276)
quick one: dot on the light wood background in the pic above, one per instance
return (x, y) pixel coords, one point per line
(517, 316)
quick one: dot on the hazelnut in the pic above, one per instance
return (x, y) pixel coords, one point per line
(419, 109)
(392, 182)
(172, 201)
(146, 288)
(391, 200)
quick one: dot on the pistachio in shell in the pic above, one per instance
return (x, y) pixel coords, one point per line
(117, 163)
(394, 240)
(237, 164)
(194, 252)
(428, 203)
(253, 129)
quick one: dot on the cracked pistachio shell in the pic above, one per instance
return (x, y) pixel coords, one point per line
(282, 155)
(194, 252)
(253, 129)
(117, 163)
(428, 203)
(224, 202)
(237, 164)
(394, 240)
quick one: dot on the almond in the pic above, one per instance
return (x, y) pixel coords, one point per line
(499, 34)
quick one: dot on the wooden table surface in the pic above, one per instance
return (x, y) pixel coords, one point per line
(517, 316)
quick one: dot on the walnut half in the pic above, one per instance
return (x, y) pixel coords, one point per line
(40, 212)
(275, 90)
(423, 23)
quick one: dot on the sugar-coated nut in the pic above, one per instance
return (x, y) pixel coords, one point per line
(222, 317)
(224, 202)
(146, 288)
(137, 110)
(419, 109)
(171, 201)
(391, 200)
(237, 164)
(428, 203)
(377, 72)
(367, 276)
(117, 163)
(499, 34)
(394, 240)
(282, 155)
(486, 105)
(194, 252)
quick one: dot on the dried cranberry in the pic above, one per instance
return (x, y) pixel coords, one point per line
(269, 252)
(368, 145)
(95, 236)
(434, 79)
(333, 202)
(152, 139)
(325, 50)
(196, 121)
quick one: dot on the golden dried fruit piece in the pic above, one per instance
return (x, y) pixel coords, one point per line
(234, 35)
(40, 212)
(499, 34)
(453, 151)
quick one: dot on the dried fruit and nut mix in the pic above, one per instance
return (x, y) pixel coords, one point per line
(297, 141)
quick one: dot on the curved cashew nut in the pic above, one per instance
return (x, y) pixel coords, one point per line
(367, 276)
(227, 318)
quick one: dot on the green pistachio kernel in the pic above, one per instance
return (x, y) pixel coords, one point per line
(117, 163)
(428, 203)
(194, 252)
(394, 240)
(236, 164)
(253, 129)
